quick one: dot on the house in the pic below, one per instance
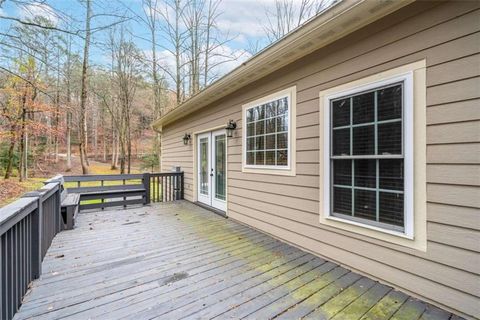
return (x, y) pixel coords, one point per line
(355, 137)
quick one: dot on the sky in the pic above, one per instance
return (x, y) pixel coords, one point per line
(241, 20)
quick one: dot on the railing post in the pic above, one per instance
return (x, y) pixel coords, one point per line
(146, 186)
(58, 201)
(182, 186)
(58, 207)
(36, 236)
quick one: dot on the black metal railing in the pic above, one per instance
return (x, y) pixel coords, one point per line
(27, 228)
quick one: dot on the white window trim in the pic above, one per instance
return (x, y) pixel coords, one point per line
(407, 131)
(289, 170)
(414, 125)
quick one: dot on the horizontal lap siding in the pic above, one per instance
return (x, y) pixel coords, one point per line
(448, 37)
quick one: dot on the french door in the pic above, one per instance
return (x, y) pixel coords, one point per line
(212, 169)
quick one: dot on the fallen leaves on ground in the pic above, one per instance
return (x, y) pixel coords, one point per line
(10, 189)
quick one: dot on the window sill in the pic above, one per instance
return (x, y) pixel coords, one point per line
(388, 236)
(367, 226)
(272, 171)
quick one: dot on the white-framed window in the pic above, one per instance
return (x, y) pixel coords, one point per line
(368, 158)
(269, 134)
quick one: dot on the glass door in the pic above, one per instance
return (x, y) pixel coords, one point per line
(204, 164)
(212, 169)
(219, 159)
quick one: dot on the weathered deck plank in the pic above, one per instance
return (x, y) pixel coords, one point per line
(177, 260)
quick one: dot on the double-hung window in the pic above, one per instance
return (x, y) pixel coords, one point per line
(369, 160)
(268, 138)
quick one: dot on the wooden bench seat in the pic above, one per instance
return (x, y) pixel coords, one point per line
(110, 195)
(69, 203)
(72, 199)
(114, 190)
(69, 208)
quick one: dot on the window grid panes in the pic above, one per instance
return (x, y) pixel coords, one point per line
(220, 167)
(367, 160)
(267, 128)
(204, 166)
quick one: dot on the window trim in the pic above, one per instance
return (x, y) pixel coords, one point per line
(407, 146)
(289, 170)
(415, 233)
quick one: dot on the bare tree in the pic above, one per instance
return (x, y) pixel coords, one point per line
(206, 43)
(56, 117)
(193, 40)
(68, 100)
(126, 73)
(187, 47)
(288, 15)
(173, 32)
(211, 19)
(193, 18)
(84, 94)
(150, 8)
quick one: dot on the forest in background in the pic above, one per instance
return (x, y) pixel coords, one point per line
(57, 107)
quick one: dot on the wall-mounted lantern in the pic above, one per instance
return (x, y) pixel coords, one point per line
(186, 138)
(231, 126)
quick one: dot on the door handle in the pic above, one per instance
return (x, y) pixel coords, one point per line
(211, 173)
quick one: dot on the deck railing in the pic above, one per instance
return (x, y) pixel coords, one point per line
(27, 228)
(165, 186)
(102, 191)
(29, 224)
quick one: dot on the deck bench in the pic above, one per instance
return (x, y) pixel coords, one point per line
(69, 209)
(102, 191)
(69, 203)
(82, 192)
(111, 193)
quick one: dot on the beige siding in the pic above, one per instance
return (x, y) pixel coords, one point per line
(447, 35)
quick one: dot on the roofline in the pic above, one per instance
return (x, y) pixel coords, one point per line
(341, 19)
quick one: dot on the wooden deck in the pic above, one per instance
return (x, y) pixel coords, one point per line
(177, 260)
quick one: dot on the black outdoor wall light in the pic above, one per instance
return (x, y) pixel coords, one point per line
(186, 138)
(231, 126)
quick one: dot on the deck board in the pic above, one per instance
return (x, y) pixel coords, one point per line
(177, 260)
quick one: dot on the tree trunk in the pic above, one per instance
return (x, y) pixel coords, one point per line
(57, 124)
(104, 157)
(95, 136)
(69, 106)
(117, 152)
(83, 97)
(156, 90)
(122, 156)
(21, 162)
(129, 145)
(69, 142)
(21, 158)
(57, 106)
(11, 149)
(178, 79)
(114, 147)
(104, 150)
(25, 156)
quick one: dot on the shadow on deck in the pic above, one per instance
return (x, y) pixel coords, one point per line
(177, 260)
